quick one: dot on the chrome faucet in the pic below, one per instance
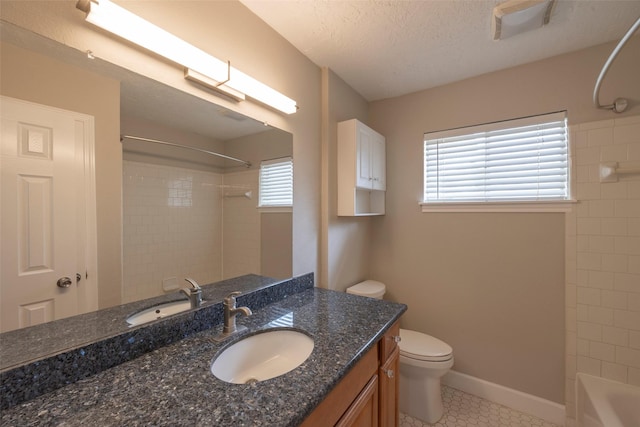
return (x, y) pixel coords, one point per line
(230, 313)
(194, 293)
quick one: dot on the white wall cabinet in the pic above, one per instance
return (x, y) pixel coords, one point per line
(361, 170)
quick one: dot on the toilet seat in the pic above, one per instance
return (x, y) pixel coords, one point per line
(418, 346)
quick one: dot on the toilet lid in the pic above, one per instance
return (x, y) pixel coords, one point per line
(417, 345)
(367, 288)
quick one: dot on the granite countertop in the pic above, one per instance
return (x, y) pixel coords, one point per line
(172, 385)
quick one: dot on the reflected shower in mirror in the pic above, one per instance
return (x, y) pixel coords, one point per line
(188, 213)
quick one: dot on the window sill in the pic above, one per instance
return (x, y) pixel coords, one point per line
(537, 206)
(274, 209)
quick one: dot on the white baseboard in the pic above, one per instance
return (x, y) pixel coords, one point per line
(523, 402)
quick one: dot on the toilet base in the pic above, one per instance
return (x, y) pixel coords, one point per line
(420, 396)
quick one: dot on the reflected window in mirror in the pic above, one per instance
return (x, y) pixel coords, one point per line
(276, 183)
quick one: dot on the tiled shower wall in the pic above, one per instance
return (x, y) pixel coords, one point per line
(172, 222)
(603, 258)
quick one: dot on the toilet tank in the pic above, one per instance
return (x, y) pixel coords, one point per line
(368, 288)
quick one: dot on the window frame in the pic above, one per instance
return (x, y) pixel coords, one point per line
(500, 205)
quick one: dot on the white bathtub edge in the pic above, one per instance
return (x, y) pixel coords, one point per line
(595, 398)
(547, 410)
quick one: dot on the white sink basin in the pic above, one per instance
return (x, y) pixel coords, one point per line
(158, 312)
(262, 356)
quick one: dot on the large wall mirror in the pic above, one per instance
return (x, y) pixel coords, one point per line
(185, 213)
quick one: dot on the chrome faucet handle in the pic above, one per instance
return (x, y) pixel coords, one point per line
(230, 299)
(194, 294)
(193, 284)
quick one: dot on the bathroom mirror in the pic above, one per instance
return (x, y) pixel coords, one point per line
(179, 185)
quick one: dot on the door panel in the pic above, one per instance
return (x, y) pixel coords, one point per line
(42, 171)
(35, 223)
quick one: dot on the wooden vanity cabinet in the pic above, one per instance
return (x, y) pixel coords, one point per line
(363, 412)
(389, 385)
(368, 395)
(389, 377)
(343, 401)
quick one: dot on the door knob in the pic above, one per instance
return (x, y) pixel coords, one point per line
(63, 282)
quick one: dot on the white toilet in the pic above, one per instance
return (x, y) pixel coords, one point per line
(423, 361)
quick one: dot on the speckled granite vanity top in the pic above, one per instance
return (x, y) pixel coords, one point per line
(173, 385)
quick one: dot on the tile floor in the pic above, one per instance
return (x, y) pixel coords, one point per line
(466, 410)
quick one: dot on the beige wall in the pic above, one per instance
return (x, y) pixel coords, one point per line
(489, 284)
(346, 241)
(275, 244)
(270, 144)
(40, 79)
(229, 31)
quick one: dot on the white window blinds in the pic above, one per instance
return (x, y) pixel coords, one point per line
(515, 160)
(276, 182)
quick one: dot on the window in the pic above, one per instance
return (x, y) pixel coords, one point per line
(276, 183)
(514, 161)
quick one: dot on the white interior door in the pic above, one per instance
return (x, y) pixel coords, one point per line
(45, 221)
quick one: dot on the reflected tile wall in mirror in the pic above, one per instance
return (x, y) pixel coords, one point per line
(172, 219)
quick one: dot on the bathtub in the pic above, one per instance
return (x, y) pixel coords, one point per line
(605, 403)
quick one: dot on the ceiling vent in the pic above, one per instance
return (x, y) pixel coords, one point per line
(517, 16)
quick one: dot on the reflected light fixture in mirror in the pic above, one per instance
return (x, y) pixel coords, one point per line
(228, 80)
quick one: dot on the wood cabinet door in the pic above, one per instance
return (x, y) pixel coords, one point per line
(342, 399)
(389, 386)
(363, 412)
(389, 342)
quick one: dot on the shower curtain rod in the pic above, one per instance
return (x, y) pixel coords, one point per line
(620, 104)
(171, 144)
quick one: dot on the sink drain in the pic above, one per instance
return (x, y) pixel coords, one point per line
(252, 381)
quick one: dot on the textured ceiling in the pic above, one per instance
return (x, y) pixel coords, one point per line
(385, 49)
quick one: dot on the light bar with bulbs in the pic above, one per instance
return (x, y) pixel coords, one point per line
(199, 65)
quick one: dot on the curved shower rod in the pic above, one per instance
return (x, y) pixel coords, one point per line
(620, 104)
(171, 144)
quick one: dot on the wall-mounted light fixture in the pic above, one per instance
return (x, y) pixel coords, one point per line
(517, 16)
(199, 65)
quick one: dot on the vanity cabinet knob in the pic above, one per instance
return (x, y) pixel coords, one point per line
(389, 373)
(396, 338)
